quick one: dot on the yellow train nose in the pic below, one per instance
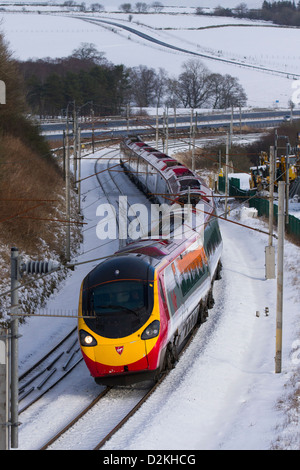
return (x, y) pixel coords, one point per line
(115, 353)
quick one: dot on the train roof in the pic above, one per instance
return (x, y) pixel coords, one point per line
(154, 251)
(181, 182)
(169, 237)
(118, 268)
(181, 170)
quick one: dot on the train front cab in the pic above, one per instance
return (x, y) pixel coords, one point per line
(121, 340)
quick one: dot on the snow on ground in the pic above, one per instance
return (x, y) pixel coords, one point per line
(33, 35)
(244, 179)
(294, 208)
(113, 5)
(223, 393)
(66, 299)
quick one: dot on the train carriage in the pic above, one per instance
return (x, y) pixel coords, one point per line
(138, 307)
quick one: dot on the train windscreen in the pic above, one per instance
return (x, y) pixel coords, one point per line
(118, 308)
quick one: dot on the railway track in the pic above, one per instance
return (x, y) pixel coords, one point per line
(49, 370)
(100, 416)
(129, 414)
(58, 439)
(112, 408)
(113, 168)
(75, 420)
(108, 393)
(106, 414)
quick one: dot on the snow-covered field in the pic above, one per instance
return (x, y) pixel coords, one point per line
(223, 393)
(34, 35)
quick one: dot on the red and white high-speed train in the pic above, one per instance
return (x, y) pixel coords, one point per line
(137, 308)
(161, 177)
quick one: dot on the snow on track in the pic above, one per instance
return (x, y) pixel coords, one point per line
(223, 392)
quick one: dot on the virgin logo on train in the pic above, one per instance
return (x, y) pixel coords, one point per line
(158, 286)
(119, 349)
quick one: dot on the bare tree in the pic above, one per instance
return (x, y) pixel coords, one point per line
(10, 75)
(217, 89)
(88, 51)
(194, 87)
(157, 6)
(241, 10)
(226, 92)
(143, 83)
(82, 6)
(141, 7)
(199, 11)
(172, 94)
(125, 7)
(160, 85)
(97, 7)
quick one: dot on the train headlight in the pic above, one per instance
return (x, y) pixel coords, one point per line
(86, 339)
(151, 331)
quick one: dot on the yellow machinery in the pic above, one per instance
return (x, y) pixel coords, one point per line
(260, 174)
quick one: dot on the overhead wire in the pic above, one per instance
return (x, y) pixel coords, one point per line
(74, 264)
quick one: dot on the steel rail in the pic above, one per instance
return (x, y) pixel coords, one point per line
(109, 170)
(75, 420)
(104, 392)
(163, 376)
(22, 376)
(130, 413)
(24, 391)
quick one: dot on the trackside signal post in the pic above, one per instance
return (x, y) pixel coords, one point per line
(9, 369)
(14, 351)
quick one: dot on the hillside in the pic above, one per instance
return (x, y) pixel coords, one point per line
(233, 46)
(32, 208)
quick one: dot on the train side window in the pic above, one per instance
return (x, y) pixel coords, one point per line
(173, 292)
(162, 292)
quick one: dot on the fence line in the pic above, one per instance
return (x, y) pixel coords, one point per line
(262, 205)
